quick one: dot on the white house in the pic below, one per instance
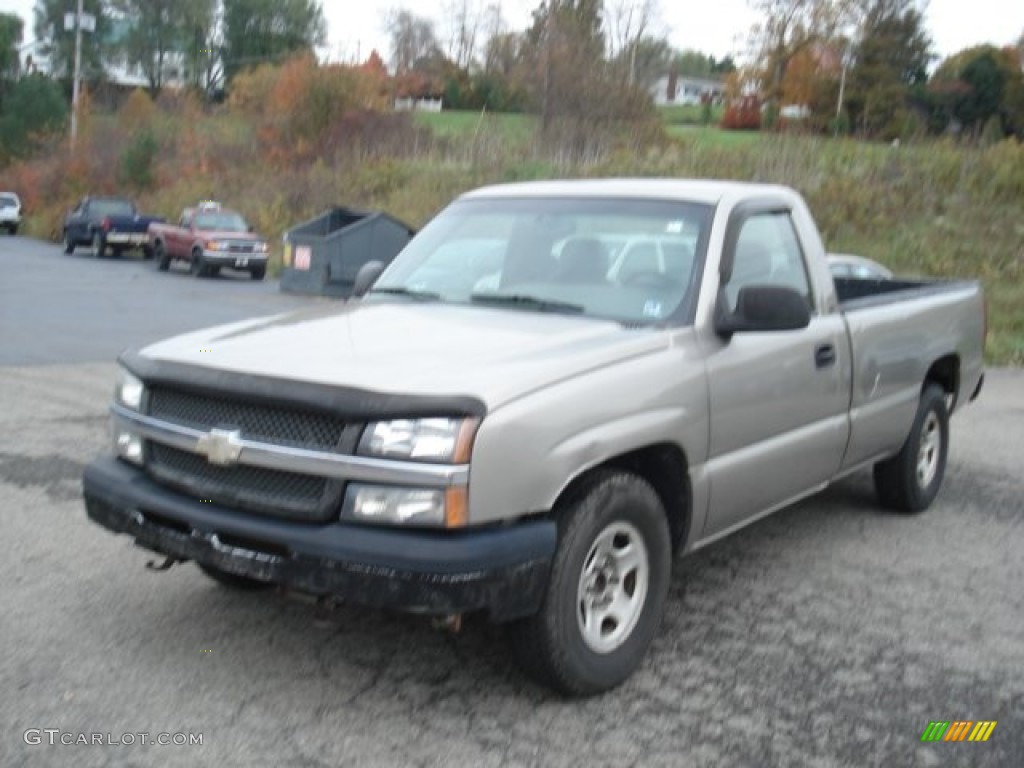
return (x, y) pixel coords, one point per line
(676, 89)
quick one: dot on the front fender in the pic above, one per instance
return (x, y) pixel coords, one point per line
(527, 452)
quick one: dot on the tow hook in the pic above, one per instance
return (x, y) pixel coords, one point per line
(451, 623)
(166, 565)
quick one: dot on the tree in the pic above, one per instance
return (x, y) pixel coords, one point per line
(787, 28)
(979, 84)
(565, 52)
(647, 60)
(34, 107)
(412, 39)
(890, 59)
(11, 30)
(628, 23)
(58, 44)
(160, 34)
(203, 44)
(259, 31)
(466, 19)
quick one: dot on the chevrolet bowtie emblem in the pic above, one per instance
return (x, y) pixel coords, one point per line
(221, 446)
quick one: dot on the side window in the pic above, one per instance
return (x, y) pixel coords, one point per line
(768, 253)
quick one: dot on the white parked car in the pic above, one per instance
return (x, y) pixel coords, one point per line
(10, 212)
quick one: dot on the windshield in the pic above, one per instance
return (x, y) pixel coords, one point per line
(221, 221)
(8, 201)
(112, 208)
(634, 261)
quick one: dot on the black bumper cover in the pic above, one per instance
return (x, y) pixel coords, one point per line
(502, 571)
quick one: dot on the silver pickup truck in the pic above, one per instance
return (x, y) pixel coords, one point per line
(551, 392)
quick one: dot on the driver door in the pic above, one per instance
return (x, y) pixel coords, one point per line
(778, 399)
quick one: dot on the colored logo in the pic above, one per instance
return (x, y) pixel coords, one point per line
(958, 730)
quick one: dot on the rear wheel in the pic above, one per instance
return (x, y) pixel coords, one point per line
(69, 244)
(99, 245)
(147, 252)
(910, 480)
(163, 259)
(233, 580)
(13, 229)
(606, 591)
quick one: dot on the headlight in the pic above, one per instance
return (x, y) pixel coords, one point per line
(421, 507)
(128, 445)
(445, 441)
(260, 248)
(129, 390)
(213, 245)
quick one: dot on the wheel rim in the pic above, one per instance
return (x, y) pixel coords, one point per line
(613, 587)
(928, 451)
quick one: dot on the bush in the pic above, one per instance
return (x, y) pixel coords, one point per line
(743, 114)
(138, 161)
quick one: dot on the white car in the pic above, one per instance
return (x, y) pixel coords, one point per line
(10, 212)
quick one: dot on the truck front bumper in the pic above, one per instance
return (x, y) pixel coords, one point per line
(503, 571)
(235, 260)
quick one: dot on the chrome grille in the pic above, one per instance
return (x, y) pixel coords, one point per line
(271, 492)
(264, 423)
(289, 495)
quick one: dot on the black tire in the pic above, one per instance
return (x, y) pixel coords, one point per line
(258, 273)
(163, 259)
(13, 229)
(99, 244)
(233, 580)
(117, 253)
(147, 252)
(198, 265)
(553, 646)
(69, 244)
(910, 480)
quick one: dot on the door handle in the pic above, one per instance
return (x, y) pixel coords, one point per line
(824, 355)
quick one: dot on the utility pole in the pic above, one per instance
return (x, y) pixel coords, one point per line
(78, 68)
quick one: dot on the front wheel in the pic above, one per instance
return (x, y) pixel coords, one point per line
(69, 244)
(910, 480)
(258, 273)
(99, 245)
(198, 265)
(607, 588)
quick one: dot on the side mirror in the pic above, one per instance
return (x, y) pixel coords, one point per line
(366, 277)
(762, 308)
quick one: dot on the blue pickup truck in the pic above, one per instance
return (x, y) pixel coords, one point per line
(107, 223)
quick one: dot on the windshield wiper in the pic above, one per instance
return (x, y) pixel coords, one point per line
(400, 290)
(527, 302)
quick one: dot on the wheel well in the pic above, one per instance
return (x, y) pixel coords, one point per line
(946, 373)
(663, 466)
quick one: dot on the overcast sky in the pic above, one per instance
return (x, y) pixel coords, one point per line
(713, 26)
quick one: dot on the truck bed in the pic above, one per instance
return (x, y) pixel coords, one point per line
(858, 293)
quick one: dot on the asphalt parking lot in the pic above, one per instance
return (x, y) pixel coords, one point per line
(829, 634)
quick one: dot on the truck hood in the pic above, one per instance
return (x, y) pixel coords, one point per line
(494, 355)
